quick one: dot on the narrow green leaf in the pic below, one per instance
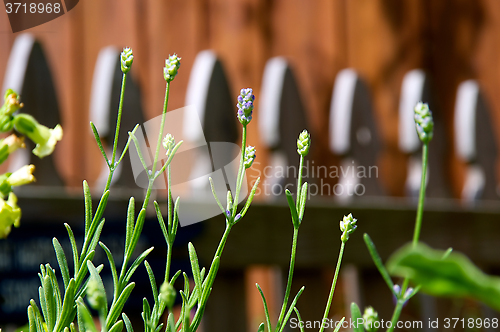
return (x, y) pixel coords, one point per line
(290, 310)
(209, 280)
(303, 199)
(85, 321)
(138, 261)
(130, 222)
(83, 289)
(101, 207)
(202, 274)
(73, 247)
(215, 195)
(293, 210)
(83, 269)
(161, 221)
(50, 315)
(125, 149)
(116, 309)
(250, 198)
(357, 317)
(174, 278)
(139, 152)
(158, 328)
(43, 302)
(175, 224)
(170, 323)
(454, 276)
(88, 206)
(111, 265)
(339, 325)
(137, 232)
(61, 259)
(301, 327)
(56, 290)
(261, 327)
(378, 263)
(194, 297)
(185, 313)
(31, 319)
(97, 235)
(68, 305)
(94, 224)
(118, 327)
(266, 310)
(36, 311)
(186, 284)
(95, 275)
(38, 317)
(194, 264)
(128, 324)
(146, 310)
(447, 252)
(99, 144)
(152, 281)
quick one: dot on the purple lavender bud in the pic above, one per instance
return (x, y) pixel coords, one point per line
(408, 293)
(228, 214)
(238, 217)
(245, 105)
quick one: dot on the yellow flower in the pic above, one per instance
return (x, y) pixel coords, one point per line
(10, 214)
(22, 176)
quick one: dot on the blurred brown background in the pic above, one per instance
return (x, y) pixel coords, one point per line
(453, 40)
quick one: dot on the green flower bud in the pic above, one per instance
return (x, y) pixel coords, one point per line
(11, 103)
(95, 294)
(304, 143)
(347, 226)
(370, 316)
(45, 138)
(249, 156)
(9, 145)
(424, 122)
(10, 214)
(22, 176)
(171, 68)
(168, 294)
(6, 123)
(126, 59)
(169, 144)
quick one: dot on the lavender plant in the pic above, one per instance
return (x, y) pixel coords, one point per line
(424, 126)
(297, 208)
(68, 309)
(45, 140)
(57, 311)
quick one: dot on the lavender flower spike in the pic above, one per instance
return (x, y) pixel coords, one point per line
(424, 122)
(249, 156)
(171, 68)
(126, 59)
(245, 106)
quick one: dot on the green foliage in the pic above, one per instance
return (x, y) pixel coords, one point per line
(453, 276)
